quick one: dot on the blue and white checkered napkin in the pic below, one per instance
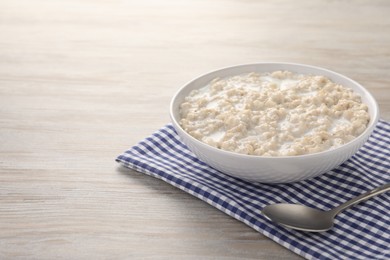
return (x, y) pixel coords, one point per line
(361, 232)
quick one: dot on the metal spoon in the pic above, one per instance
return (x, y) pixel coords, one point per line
(313, 220)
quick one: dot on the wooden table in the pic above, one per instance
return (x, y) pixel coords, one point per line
(83, 80)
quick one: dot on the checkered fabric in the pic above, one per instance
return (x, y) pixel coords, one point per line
(361, 232)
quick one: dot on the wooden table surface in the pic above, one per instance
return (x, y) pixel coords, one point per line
(83, 80)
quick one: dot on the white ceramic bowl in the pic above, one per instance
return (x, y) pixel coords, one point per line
(272, 169)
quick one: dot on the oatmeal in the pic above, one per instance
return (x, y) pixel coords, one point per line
(274, 114)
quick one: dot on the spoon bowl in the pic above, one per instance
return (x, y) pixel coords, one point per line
(299, 217)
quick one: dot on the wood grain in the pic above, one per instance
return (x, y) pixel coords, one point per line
(83, 80)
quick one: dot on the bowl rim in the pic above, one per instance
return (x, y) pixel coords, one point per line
(367, 132)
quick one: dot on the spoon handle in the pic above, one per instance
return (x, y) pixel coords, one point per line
(360, 198)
